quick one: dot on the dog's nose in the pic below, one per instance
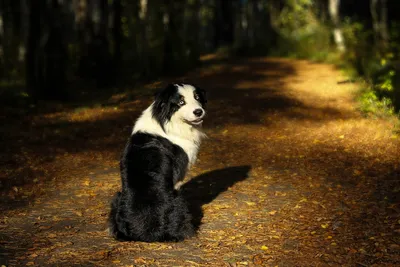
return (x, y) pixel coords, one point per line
(198, 112)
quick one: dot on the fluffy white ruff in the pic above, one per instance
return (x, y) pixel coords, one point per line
(186, 136)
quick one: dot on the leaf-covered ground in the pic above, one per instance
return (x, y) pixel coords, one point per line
(291, 175)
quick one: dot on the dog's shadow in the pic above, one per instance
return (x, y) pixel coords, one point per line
(204, 188)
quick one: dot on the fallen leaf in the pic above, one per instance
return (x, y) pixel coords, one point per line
(79, 213)
(273, 212)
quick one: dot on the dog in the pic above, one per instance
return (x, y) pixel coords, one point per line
(164, 143)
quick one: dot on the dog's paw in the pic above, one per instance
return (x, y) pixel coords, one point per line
(178, 185)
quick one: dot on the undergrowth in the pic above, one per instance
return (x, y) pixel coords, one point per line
(365, 60)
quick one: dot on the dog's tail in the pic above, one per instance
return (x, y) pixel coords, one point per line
(112, 218)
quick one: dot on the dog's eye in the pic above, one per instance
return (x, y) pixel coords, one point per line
(196, 96)
(181, 102)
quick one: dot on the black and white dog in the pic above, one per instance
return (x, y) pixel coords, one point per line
(164, 143)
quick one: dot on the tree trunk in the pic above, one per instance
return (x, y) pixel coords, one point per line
(24, 29)
(143, 46)
(252, 23)
(223, 23)
(2, 67)
(192, 33)
(384, 23)
(379, 14)
(55, 53)
(153, 33)
(100, 49)
(321, 10)
(174, 46)
(34, 63)
(375, 19)
(117, 34)
(337, 31)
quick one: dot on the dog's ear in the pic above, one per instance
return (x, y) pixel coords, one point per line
(162, 96)
(202, 93)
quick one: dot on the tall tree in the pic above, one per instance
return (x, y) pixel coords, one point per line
(334, 6)
(95, 54)
(117, 34)
(2, 67)
(223, 23)
(34, 62)
(192, 32)
(55, 52)
(379, 14)
(174, 46)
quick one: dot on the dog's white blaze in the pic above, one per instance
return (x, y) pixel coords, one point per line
(191, 104)
(187, 136)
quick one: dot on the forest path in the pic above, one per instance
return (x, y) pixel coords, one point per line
(291, 175)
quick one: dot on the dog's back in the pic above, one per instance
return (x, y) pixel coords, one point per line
(148, 208)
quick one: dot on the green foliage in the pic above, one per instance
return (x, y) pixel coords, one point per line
(297, 19)
(301, 34)
(372, 104)
(376, 64)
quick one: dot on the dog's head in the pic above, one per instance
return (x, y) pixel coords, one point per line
(180, 103)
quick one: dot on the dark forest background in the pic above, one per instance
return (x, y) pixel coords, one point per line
(50, 48)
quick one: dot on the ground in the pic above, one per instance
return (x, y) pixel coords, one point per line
(291, 175)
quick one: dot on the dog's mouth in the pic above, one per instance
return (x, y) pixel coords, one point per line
(196, 122)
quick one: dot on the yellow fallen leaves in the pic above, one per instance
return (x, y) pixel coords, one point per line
(51, 235)
(264, 247)
(303, 200)
(79, 213)
(324, 226)
(280, 194)
(250, 203)
(272, 212)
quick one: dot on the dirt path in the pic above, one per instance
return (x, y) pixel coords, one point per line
(291, 175)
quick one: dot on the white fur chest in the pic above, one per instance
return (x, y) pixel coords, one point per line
(191, 148)
(178, 132)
